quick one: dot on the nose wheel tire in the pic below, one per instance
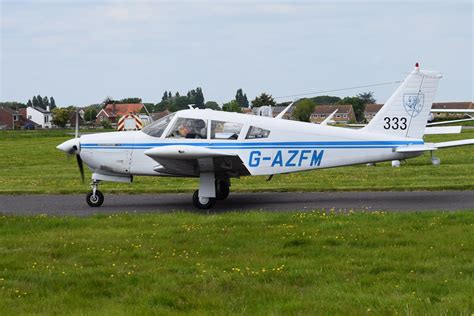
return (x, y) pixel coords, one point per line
(203, 203)
(95, 200)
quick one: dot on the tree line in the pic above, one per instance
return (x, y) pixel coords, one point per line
(305, 107)
(42, 102)
(173, 102)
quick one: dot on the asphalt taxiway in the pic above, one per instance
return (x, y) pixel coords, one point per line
(75, 204)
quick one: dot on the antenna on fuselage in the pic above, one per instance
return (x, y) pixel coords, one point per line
(327, 119)
(192, 106)
(279, 116)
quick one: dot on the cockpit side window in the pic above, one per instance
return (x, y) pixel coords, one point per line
(225, 130)
(188, 128)
(157, 128)
(257, 133)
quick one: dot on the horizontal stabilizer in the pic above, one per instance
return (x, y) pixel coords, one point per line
(184, 152)
(452, 110)
(415, 148)
(443, 130)
(434, 146)
(455, 143)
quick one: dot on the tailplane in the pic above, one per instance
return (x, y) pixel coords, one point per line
(407, 111)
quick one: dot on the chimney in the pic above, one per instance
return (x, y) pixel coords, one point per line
(47, 108)
(113, 108)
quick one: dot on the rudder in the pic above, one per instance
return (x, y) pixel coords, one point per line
(407, 111)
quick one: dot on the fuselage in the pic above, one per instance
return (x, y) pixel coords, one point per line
(264, 145)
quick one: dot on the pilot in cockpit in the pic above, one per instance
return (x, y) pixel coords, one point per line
(193, 129)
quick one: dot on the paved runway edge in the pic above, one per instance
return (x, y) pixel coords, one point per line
(265, 201)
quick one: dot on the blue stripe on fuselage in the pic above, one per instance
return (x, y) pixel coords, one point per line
(261, 145)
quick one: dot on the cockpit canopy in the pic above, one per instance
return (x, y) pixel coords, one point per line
(157, 128)
(199, 128)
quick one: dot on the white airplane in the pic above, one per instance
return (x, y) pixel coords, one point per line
(217, 146)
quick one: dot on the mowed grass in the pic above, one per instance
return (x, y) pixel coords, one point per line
(30, 163)
(239, 263)
(245, 263)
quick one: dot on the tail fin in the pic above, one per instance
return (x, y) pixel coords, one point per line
(407, 111)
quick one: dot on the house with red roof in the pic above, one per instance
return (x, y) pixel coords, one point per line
(113, 111)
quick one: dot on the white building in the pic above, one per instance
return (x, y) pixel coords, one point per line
(40, 116)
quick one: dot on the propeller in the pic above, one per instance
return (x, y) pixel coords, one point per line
(73, 147)
(81, 166)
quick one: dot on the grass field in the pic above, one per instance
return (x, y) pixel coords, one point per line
(239, 263)
(30, 163)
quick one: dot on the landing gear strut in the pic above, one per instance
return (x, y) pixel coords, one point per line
(210, 190)
(95, 198)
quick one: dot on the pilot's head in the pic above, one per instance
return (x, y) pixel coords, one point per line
(183, 131)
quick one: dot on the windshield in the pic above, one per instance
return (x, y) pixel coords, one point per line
(157, 128)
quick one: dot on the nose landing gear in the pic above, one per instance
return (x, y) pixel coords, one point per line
(95, 198)
(202, 203)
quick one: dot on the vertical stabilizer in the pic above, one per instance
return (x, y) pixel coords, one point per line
(407, 111)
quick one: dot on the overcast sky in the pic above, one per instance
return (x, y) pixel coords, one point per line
(82, 51)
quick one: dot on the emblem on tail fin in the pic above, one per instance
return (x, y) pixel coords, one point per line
(413, 103)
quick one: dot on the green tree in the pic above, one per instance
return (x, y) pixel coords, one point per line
(35, 101)
(29, 103)
(232, 106)
(90, 114)
(61, 116)
(367, 97)
(262, 100)
(40, 102)
(165, 96)
(196, 97)
(45, 102)
(131, 100)
(212, 105)
(303, 110)
(13, 105)
(148, 106)
(358, 105)
(199, 98)
(326, 99)
(241, 98)
(52, 103)
(109, 100)
(106, 124)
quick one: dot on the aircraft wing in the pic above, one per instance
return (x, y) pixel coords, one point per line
(434, 146)
(185, 160)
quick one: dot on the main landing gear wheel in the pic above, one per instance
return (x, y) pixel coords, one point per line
(203, 203)
(95, 200)
(222, 190)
